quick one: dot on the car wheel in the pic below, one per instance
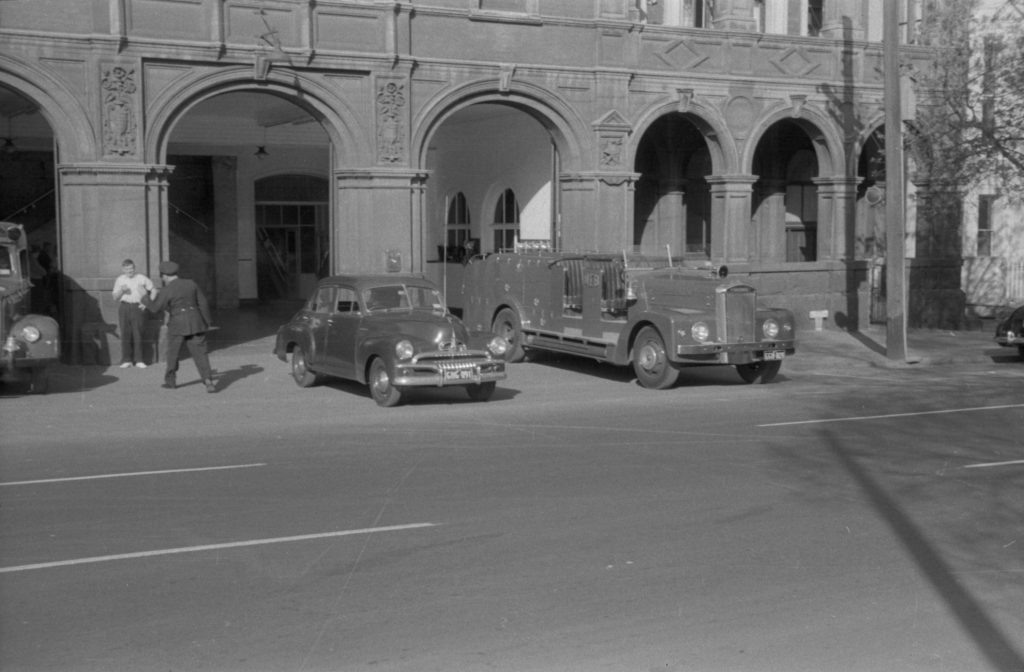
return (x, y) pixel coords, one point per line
(381, 389)
(758, 372)
(481, 391)
(303, 376)
(507, 325)
(650, 361)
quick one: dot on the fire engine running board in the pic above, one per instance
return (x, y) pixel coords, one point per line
(569, 345)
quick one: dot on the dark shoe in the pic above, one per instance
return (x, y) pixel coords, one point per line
(210, 387)
(170, 383)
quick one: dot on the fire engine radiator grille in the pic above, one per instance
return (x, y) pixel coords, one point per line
(736, 311)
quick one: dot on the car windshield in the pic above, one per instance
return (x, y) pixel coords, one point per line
(403, 297)
(5, 261)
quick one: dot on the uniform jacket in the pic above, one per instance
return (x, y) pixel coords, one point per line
(187, 310)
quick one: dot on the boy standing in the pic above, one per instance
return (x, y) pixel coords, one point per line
(129, 288)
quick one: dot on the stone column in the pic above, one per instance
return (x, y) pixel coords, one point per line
(376, 223)
(843, 20)
(734, 15)
(836, 197)
(109, 212)
(769, 222)
(731, 228)
(600, 205)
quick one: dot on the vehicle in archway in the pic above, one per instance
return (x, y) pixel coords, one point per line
(1010, 331)
(623, 309)
(31, 342)
(392, 332)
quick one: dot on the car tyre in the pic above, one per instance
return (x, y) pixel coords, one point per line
(650, 361)
(758, 372)
(304, 377)
(481, 391)
(381, 388)
(507, 325)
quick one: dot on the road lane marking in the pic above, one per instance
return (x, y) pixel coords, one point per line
(981, 465)
(134, 473)
(891, 415)
(211, 547)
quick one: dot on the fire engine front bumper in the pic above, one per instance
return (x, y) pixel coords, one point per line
(735, 353)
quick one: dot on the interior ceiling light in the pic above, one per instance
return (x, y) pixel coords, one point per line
(8, 146)
(261, 152)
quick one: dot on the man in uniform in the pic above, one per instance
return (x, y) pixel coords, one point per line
(188, 320)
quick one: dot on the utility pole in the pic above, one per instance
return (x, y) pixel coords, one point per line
(895, 209)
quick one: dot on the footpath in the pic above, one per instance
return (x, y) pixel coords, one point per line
(242, 347)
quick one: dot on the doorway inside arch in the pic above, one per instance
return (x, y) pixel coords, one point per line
(291, 216)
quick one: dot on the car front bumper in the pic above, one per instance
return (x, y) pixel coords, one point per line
(444, 374)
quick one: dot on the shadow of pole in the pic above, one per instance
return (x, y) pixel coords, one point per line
(990, 639)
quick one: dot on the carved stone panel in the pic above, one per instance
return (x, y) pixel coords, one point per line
(119, 115)
(392, 105)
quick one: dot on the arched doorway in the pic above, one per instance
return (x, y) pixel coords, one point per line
(673, 200)
(248, 202)
(28, 191)
(493, 170)
(785, 199)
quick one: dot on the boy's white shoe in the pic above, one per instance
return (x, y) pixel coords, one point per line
(141, 365)
(126, 365)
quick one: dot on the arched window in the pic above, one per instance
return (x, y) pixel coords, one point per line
(506, 221)
(457, 223)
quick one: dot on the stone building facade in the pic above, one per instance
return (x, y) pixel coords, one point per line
(392, 132)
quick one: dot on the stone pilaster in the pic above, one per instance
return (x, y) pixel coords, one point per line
(731, 228)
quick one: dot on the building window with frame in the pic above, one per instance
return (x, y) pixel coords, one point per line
(815, 17)
(506, 221)
(457, 228)
(985, 208)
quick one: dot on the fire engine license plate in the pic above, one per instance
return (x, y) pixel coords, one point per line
(774, 354)
(459, 374)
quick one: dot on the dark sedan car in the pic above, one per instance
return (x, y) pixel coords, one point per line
(1010, 331)
(392, 332)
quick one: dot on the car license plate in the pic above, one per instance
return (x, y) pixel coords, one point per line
(774, 354)
(459, 374)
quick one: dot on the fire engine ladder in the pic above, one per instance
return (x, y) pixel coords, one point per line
(279, 272)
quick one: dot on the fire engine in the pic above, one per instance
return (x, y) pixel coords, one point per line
(620, 308)
(30, 342)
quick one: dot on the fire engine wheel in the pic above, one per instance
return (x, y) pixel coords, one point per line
(481, 391)
(381, 389)
(758, 372)
(650, 361)
(506, 324)
(303, 376)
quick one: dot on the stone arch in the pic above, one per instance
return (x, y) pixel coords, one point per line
(62, 109)
(342, 126)
(569, 131)
(708, 121)
(820, 128)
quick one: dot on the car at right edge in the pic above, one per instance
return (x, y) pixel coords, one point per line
(1010, 331)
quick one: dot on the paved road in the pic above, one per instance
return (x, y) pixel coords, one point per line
(864, 521)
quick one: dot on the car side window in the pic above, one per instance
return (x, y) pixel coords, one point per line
(347, 300)
(324, 301)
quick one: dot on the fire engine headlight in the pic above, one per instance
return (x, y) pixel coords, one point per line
(497, 346)
(30, 334)
(404, 350)
(770, 328)
(700, 331)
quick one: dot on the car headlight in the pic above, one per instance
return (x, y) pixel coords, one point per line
(700, 332)
(770, 328)
(30, 334)
(404, 350)
(497, 346)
